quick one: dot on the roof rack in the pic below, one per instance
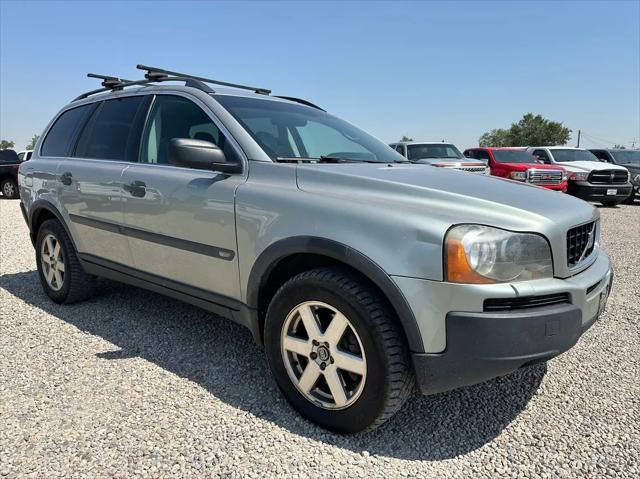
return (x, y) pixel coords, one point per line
(156, 75)
(153, 72)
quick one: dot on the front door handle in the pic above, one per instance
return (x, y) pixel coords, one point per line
(136, 188)
(66, 178)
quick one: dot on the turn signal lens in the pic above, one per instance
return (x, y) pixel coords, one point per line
(458, 269)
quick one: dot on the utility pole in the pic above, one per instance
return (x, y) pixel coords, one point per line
(578, 145)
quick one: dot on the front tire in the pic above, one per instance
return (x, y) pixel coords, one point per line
(9, 189)
(61, 274)
(336, 351)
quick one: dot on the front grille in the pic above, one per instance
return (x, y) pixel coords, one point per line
(608, 177)
(473, 169)
(545, 177)
(580, 243)
(524, 302)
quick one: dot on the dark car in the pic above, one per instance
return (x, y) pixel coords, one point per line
(630, 159)
(9, 163)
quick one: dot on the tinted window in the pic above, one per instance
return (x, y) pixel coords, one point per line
(513, 156)
(573, 155)
(29, 153)
(108, 135)
(60, 137)
(437, 150)
(21, 156)
(400, 149)
(482, 155)
(542, 155)
(176, 117)
(627, 157)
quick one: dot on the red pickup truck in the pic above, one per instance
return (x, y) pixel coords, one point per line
(517, 164)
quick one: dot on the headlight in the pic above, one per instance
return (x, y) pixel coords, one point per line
(580, 176)
(481, 254)
(518, 175)
(564, 176)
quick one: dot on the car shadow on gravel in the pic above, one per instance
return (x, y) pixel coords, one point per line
(221, 357)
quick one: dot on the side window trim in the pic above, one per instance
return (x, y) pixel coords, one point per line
(207, 111)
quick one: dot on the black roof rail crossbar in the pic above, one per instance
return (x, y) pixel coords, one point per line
(153, 72)
(155, 79)
(301, 101)
(109, 81)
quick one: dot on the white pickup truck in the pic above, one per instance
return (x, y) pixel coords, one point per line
(589, 178)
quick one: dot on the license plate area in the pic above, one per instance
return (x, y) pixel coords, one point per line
(612, 191)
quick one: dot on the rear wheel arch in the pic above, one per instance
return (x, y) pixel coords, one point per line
(41, 211)
(288, 257)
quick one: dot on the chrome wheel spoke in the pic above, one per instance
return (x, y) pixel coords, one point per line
(310, 322)
(60, 266)
(50, 273)
(335, 386)
(46, 259)
(49, 241)
(297, 345)
(336, 329)
(56, 251)
(309, 377)
(58, 278)
(350, 362)
(343, 373)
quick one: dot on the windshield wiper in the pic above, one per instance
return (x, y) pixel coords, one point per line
(329, 159)
(319, 159)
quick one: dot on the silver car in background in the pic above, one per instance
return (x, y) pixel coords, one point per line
(362, 274)
(439, 154)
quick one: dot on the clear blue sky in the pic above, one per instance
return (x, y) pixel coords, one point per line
(426, 69)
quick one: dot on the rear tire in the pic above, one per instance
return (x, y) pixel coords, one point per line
(59, 269)
(9, 189)
(371, 343)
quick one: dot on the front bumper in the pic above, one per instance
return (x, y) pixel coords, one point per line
(467, 345)
(591, 192)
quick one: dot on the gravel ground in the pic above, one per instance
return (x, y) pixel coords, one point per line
(132, 383)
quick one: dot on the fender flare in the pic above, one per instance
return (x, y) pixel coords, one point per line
(273, 254)
(36, 208)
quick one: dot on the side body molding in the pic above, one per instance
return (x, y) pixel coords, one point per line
(269, 258)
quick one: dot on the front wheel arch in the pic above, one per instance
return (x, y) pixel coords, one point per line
(260, 286)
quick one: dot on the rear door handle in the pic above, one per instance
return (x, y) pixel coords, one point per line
(66, 178)
(136, 188)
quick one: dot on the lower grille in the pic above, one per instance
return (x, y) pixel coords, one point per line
(524, 302)
(473, 169)
(545, 177)
(580, 243)
(608, 177)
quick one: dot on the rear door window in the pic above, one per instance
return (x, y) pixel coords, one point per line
(61, 135)
(113, 133)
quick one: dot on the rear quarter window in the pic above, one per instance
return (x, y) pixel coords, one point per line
(60, 137)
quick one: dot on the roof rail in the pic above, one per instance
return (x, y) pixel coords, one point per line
(301, 101)
(109, 81)
(155, 73)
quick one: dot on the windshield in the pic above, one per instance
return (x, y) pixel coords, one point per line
(286, 130)
(513, 156)
(438, 150)
(627, 157)
(573, 155)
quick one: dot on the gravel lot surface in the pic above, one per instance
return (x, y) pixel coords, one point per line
(132, 383)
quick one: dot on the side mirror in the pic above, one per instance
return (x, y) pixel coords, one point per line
(200, 154)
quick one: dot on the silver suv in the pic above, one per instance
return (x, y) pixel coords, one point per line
(362, 275)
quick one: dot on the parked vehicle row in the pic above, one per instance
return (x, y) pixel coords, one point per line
(573, 170)
(362, 274)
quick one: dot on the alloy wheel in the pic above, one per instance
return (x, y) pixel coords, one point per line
(323, 355)
(53, 266)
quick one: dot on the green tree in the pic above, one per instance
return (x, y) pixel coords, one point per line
(531, 130)
(6, 145)
(32, 144)
(406, 138)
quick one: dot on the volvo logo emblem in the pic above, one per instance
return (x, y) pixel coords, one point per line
(323, 353)
(590, 241)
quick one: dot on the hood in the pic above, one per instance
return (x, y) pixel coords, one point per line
(530, 166)
(450, 162)
(445, 195)
(576, 166)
